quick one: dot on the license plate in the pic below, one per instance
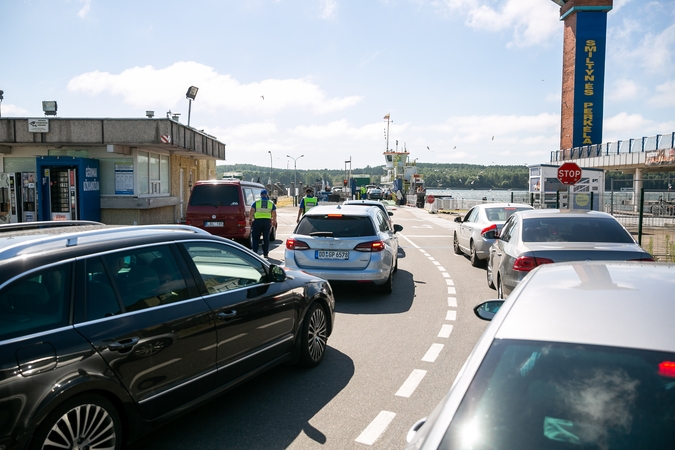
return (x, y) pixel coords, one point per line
(331, 254)
(213, 224)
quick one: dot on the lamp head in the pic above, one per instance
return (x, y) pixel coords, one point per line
(191, 92)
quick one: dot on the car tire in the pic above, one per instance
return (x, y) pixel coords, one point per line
(488, 275)
(500, 288)
(396, 265)
(388, 285)
(75, 422)
(475, 260)
(314, 336)
(455, 245)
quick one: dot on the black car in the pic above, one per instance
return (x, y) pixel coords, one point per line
(107, 332)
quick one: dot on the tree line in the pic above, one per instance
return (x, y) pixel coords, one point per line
(449, 176)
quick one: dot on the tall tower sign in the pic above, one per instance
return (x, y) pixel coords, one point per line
(583, 80)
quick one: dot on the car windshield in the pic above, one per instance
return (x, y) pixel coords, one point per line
(214, 195)
(336, 226)
(575, 229)
(533, 395)
(500, 214)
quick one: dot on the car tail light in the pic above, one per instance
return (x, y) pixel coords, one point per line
(491, 229)
(296, 244)
(667, 369)
(527, 263)
(372, 246)
(241, 223)
(334, 216)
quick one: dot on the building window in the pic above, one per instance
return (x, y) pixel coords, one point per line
(153, 173)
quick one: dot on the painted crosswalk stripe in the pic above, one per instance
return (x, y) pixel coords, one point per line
(411, 383)
(432, 353)
(376, 428)
(445, 331)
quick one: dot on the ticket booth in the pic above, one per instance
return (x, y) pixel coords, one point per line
(68, 188)
(546, 191)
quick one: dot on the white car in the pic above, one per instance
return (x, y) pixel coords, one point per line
(346, 243)
(581, 355)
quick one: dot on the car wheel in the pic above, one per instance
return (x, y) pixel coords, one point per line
(500, 288)
(455, 245)
(490, 280)
(475, 260)
(388, 285)
(86, 421)
(314, 336)
(396, 265)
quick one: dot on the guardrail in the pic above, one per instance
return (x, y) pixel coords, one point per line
(644, 144)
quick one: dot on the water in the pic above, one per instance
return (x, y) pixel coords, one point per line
(478, 194)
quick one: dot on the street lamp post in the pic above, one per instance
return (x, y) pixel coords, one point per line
(190, 95)
(270, 180)
(295, 178)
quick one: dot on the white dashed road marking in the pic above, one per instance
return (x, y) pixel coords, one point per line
(445, 331)
(432, 353)
(411, 383)
(452, 302)
(451, 315)
(376, 428)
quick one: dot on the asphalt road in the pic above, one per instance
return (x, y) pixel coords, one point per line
(390, 359)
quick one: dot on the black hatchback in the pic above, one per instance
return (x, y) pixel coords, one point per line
(107, 332)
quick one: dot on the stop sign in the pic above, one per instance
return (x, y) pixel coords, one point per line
(430, 198)
(569, 173)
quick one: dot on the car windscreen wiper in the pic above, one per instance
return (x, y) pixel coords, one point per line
(321, 233)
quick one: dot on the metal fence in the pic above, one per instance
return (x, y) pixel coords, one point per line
(644, 144)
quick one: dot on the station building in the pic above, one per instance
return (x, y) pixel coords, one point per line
(117, 171)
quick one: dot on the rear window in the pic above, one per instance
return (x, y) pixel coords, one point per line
(534, 395)
(501, 214)
(342, 226)
(573, 229)
(214, 195)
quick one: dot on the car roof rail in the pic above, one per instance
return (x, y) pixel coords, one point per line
(6, 227)
(74, 238)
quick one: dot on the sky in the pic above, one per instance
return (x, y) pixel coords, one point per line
(307, 83)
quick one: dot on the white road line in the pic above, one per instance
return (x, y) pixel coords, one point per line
(436, 263)
(445, 331)
(451, 288)
(376, 428)
(451, 315)
(411, 383)
(431, 258)
(411, 242)
(441, 268)
(450, 283)
(452, 302)
(445, 274)
(432, 353)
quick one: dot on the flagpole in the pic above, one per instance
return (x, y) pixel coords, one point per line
(387, 144)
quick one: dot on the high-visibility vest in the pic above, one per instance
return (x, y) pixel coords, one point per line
(309, 203)
(263, 209)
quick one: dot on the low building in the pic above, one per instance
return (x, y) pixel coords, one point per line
(118, 171)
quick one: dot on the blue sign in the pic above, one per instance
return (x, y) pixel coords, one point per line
(589, 77)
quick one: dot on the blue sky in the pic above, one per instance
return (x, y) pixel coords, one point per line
(452, 73)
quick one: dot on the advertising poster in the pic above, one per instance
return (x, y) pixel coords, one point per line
(124, 179)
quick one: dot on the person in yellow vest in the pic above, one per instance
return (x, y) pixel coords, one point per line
(263, 217)
(364, 192)
(307, 202)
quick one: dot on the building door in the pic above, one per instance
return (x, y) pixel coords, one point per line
(181, 183)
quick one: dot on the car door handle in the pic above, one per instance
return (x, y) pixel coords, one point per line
(227, 315)
(123, 344)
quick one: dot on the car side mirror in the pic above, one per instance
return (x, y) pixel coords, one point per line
(277, 274)
(488, 309)
(458, 219)
(397, 228)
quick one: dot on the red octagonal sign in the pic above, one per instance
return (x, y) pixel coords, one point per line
(569, 173)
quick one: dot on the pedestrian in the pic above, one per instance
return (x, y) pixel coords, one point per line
(307, 202)
(263, 217)
(399, 197)
(363, 192)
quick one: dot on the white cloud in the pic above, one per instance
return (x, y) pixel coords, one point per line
(665, 95)
(82, 13)
(624, 89)
(482, 128)
(12, 110)
(340, 129)
(626, 126)
(554, 97)
(533, 21)
(143, 86)
(327, 8)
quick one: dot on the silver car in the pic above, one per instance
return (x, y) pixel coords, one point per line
(477, 229)
(346, 243)
(376, 203)
(581, 355)
(533, 238)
